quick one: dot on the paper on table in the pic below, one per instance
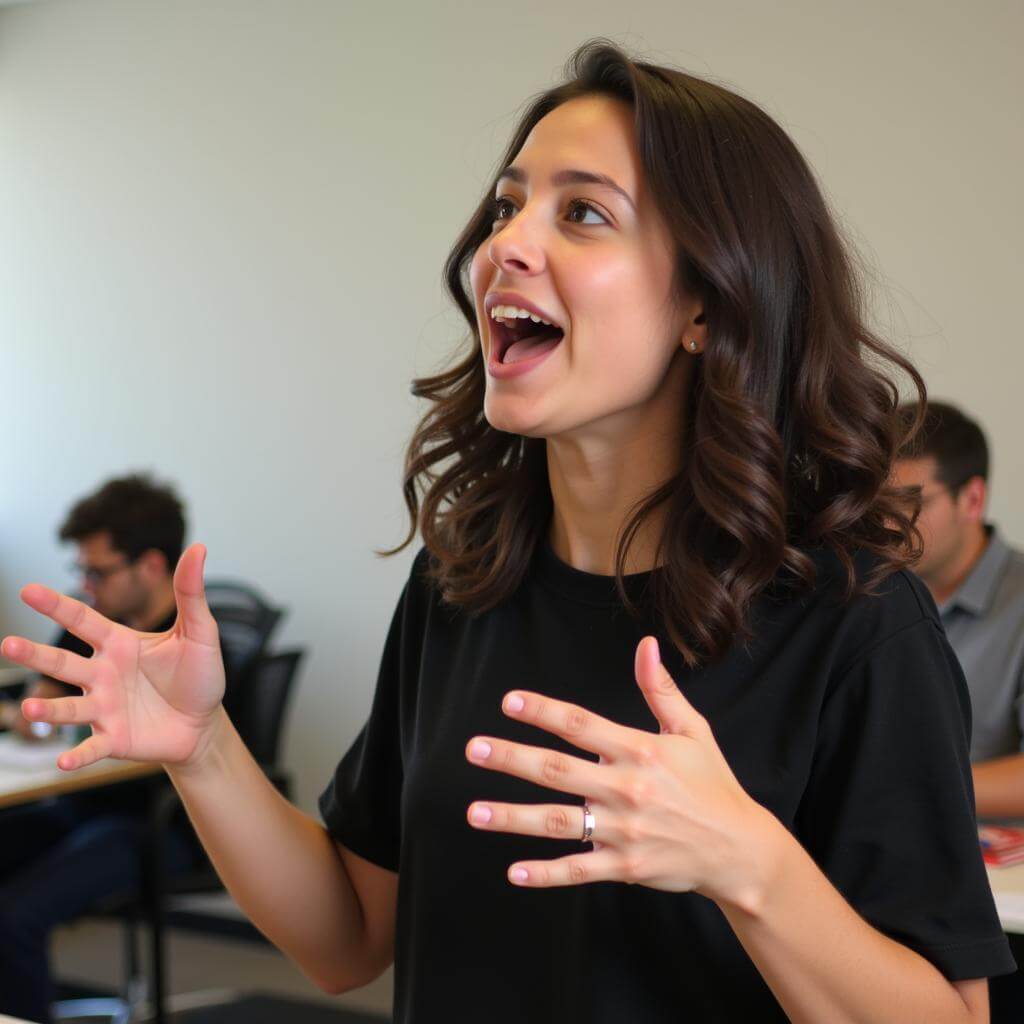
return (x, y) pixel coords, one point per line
(1011, 909)
(16, 752)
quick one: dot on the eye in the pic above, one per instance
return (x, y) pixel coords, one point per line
(502, 209)
(581, 206)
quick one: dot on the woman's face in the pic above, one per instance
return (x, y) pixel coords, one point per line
(577, 240)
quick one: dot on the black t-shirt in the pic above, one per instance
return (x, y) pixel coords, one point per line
(849, 720)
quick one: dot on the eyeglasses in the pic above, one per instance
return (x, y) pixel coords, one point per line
(97, 574)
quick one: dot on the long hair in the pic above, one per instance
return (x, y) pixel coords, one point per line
(791, 422)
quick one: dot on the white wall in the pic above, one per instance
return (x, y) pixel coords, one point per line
(222, 224)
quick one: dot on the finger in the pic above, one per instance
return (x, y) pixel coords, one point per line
(578, 726)
(194, 616)
(576, 869)
(553, 821)
(549, 768)
(86, 623)
(49, 661)
(675, 714)
(58, 710)
(89, 751)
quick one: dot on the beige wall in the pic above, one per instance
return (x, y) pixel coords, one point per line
(222, 224)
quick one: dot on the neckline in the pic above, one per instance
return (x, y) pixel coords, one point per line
(587, 587)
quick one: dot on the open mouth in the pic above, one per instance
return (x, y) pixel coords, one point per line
(517, 339)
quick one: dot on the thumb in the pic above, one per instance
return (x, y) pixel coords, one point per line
(675, 714)
(194, 616)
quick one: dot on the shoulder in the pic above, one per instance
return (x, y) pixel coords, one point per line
(885, 601)
(1012, 581)
(421, 596)
(877, 612)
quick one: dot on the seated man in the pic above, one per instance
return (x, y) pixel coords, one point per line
(977, 581)
(59, 858)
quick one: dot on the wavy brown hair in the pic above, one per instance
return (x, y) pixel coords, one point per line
(791, 420)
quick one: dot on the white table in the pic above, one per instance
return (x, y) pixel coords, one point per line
(1008, 890)
(37, 775)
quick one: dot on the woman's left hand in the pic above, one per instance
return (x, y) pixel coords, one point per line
(668, 811)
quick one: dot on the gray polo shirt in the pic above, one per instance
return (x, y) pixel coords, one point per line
(984, 621)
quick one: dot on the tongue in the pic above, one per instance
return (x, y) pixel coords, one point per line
(530, 347)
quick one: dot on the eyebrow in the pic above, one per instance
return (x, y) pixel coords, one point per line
(570, 176)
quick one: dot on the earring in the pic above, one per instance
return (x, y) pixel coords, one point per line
(693, 344)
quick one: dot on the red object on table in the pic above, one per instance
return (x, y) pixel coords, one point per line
(1001, 845)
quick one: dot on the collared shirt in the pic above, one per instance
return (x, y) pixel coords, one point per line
(984, 621)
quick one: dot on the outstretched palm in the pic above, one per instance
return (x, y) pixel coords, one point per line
(147, 696)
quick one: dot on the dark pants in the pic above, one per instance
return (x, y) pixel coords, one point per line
(57, 861)
(1006, 994)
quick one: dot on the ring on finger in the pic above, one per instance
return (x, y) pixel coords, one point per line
(588, 825)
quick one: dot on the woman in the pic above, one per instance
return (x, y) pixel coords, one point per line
(666, 457)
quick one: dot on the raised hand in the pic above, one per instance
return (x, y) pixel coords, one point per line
(147, 696)
(667, 810)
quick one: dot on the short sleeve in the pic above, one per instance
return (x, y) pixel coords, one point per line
(889, 810)
(361, 805)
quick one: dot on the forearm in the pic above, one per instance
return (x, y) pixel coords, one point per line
(999, 787)
(822, 961)
(280, 865)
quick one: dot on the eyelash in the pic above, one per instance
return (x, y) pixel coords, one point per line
(574, 204)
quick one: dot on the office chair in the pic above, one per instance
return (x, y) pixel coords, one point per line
(245, 623)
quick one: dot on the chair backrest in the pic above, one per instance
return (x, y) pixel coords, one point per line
(260, 713)
(245, 622)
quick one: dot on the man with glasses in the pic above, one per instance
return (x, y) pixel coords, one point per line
(977, 581)
(129, 535)
(58, 859)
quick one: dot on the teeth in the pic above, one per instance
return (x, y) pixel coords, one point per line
(505, 313)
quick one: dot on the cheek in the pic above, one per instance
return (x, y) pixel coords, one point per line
(620, 314)
(480, 272)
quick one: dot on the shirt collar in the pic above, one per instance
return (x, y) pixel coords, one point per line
(976, 592)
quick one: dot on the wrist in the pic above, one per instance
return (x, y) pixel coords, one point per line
(207, 754)
(758, 868)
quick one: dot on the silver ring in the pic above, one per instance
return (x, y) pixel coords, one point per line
(588, 825)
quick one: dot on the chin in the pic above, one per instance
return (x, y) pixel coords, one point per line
(505, 417)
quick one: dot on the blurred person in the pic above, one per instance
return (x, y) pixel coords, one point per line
(128, 537)
(60, 857)
(977, 581)
(640, 744)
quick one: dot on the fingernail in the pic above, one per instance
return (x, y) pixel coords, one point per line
(519, 875)
(657, 648)
(480, 750)
(514, 702)
(480, 814)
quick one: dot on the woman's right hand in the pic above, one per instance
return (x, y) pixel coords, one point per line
(147, 696)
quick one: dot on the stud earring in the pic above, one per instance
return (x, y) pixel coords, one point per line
(693, 345)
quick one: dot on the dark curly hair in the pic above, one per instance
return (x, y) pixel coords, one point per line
(139, 514)
(791, 423)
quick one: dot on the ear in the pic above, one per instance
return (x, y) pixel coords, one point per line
(153, 564)
(972, 499)
(695, 330)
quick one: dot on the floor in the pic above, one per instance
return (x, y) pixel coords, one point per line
(202, 968)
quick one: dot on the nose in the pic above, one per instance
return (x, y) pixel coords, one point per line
(516, 248)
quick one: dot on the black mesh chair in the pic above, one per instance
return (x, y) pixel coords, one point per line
(245, 623)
